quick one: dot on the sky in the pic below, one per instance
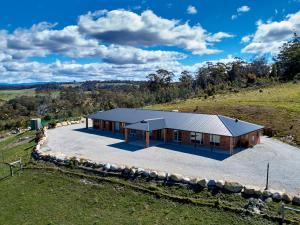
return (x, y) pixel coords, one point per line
(67, 40)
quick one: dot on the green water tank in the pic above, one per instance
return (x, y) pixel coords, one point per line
(35, 124)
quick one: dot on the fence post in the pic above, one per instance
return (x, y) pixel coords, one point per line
(11, 171)
(267, 181)
(282, 210)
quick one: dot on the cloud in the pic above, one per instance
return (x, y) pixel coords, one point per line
(217, 37)
(191, 9)
(270, 36)
(243, 9)
(240, 11)
(246, 38)
(42, 40)
(147, 29)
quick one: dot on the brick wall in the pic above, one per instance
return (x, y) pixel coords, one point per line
(185, 137)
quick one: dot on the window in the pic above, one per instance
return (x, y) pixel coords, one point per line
(214, 139)
(196, 138)
(176, 135)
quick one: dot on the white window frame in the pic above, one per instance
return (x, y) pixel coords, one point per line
(196, 138)
(214, 139)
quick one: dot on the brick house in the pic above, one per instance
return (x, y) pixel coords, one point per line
(213, 131)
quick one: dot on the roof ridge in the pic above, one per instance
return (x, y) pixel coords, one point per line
(225, 125)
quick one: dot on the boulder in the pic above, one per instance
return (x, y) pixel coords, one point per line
(212, 183)
(153, 174)
(258, 191)
(296, 200)
(140, 171)
(250, 190)
(176, 177)
(287, 197)
(146, 173)
(114, 167)
(37, 147)
(194, 180)
(132, 171)
(267, 193)
(126, 169)
(233, 187)
(277, 196)
(186, 180)
(203, 183)
(107, 166)
(58, 125)
(68, 123)
(220, 183)
(161, 175)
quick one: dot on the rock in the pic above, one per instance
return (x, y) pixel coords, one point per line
(64, 123)
(132, 171)
(220, 184)
(126, 169)
(140, 171)
(161, 175)
(249, 190)
(146, 173)
(186, 180)
(37, 147)
(267, 193)
(203, 183)
(68, 123)
(176, 177)
(258, 191)
(233, 187)
(153, 174)
(287, 197)
(194, 180)
(58, 125)
(114, 167)
(107, 166)
(277, 196)
(296, 200)
(212, 183)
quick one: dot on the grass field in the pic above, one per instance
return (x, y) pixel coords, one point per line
(40, 196)
(10, 94)
(277, 106)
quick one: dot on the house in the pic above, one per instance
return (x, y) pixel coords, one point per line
(183, 128)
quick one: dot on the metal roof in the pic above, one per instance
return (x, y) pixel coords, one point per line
(148, 125)
(204, 123)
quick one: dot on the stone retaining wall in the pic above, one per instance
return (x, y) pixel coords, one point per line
(161, 176)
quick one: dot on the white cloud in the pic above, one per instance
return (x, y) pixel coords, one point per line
(191, 9)
(246, 38)
(270, 36)
(243, 9)
(147, 29)
(240, 11)
(217, 37)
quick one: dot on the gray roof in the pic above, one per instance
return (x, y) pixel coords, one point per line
(148, 124)
(154, 119)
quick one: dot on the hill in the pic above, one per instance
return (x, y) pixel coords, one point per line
(277, 107)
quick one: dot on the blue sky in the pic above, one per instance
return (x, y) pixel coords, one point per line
(53, 40)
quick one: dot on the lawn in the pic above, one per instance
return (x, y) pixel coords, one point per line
(46, 196)
(277, 106)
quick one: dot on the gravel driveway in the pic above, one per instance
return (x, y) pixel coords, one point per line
(246, 167)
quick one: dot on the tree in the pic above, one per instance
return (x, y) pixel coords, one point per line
(259, 67)
(288, 59)
(274, 70)
(186, 79)
(161, 79)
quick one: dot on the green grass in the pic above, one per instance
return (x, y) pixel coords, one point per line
(277, 106)
(11, 94)
(44, 196)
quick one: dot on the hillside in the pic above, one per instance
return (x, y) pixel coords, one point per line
(276, 106)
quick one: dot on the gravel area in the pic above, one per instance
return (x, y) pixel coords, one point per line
(247, 166)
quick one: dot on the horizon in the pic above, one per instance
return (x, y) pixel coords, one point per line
(54, 41)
